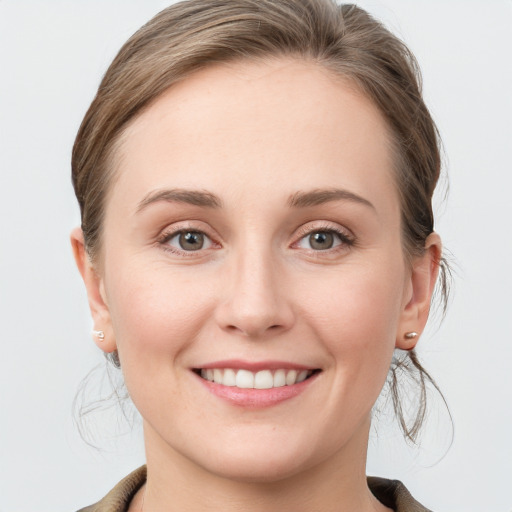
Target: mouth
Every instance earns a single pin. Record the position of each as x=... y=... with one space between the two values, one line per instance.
x=263 y=379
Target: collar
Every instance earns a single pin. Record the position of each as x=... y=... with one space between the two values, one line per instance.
x=391 y=493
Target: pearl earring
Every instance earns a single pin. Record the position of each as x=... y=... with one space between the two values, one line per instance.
x=99 y=334
x=410 y=335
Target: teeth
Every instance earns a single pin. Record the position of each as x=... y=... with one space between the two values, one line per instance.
x=229 y=378
x=302 y=376
x=217 y=375
x=279 y=378
x=291 y=377
x=264 y=379
x=244 y=379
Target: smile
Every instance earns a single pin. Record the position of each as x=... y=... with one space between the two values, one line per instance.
x=255 y=385
x=263 y=379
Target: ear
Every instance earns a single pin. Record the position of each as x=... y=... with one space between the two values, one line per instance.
x=95 y=292
x=418 y=293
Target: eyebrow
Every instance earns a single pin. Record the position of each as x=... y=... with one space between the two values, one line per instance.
x=321 y=196
x=176 y=195
x=208 y=200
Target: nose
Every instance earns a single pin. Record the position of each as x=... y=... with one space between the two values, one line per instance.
x=256 y=302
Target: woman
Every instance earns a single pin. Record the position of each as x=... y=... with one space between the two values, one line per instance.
x=255 y=183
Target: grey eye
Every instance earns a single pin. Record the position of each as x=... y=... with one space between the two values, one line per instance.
x=321 y=240
x=190 y=241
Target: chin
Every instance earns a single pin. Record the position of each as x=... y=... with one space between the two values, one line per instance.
x=257 y=469
x=246 y=458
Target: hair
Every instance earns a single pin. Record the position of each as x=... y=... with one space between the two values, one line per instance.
x=344 y=39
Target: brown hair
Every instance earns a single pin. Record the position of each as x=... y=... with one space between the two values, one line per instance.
x=344 y=39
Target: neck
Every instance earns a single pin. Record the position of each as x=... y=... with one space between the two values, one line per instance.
x=338 y=484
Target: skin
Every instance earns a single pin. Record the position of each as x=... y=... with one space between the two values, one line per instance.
x=255 y=134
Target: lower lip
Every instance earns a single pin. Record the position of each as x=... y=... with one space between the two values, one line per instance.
x=257 y=398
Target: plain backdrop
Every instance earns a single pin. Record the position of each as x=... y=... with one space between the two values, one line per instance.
x=52 y=56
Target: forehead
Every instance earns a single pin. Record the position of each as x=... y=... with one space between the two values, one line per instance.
x=257 y=127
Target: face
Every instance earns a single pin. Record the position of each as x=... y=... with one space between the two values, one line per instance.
x=252 y=237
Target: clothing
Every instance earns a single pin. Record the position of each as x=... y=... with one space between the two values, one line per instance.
x=391 y=493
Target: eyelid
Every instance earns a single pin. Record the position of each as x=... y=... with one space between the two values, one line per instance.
x=178 y=234
x=183 y=227
x=344 y=235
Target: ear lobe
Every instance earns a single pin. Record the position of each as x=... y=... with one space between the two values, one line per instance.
x=424 y=272
x=95 y=293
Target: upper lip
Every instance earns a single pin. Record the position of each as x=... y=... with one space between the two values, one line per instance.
x=255 y=366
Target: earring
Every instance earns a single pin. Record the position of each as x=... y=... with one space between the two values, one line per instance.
x=410 y=335
x=99 y=334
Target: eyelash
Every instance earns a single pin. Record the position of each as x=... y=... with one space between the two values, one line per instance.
x=167 y=236
x=346 y=241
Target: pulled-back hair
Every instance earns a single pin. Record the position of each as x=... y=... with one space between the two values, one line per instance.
x=344 y=39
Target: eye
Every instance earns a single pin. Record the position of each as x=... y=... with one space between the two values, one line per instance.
x=188 y=241
x=323 y=240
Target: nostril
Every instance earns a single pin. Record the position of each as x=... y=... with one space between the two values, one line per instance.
x=251 y=315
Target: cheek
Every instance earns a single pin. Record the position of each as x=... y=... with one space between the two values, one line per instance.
x=356 y=316
x=358 y=299
x=157 y=316
x=156 y=312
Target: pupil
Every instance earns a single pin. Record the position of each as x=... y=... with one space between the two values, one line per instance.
x=191 y=241
x=321 y=240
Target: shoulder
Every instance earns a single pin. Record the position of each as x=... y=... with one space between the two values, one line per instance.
x=118 y=499
x=395 y=495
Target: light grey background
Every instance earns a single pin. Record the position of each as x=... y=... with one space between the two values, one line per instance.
x=52 y=55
